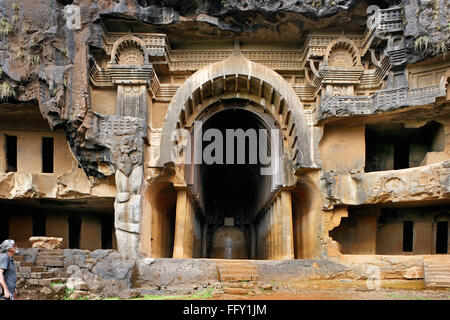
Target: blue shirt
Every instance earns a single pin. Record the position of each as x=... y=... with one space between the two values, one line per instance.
x=9 y=272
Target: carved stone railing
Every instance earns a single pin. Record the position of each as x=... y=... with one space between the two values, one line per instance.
x=157 y=44
x=344 y=106
x=383 y=100
x=386 y=20
x=387 y=99
x=418 y=184
x=420 y=96
x=154 y=85
x=98 y=76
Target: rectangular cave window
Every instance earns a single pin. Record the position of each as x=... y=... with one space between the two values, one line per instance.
x=4 y=227
x=401 y=155
x=408 y=227
x=74 y=232
x=47 y=155
x=11 y=153
x=38 y=225
x=107 y=231
x=392 y=146
x=442 y=237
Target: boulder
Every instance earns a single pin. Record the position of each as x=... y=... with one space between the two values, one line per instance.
x=129 y=294
x=46 y=291
x=413 y=273
x=59 y=288
x=46 y=242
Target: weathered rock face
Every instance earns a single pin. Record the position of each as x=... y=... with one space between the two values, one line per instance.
x=414 y=184
x=99 y=273
x=52 y=52
x=46 y=242
x=43 y=59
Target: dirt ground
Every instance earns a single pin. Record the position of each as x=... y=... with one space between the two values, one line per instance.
x=345 y=295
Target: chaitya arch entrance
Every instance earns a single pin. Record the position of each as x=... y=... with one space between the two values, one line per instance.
x=228 y=208
x=236 y=184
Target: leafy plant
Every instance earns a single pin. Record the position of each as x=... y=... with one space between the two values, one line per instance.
x=6 y=91
x=34 y=59
x=67 y=293
x=421 y=44
x=5 y=27
x=15 y=6
x=440 y=47
x=54 y=284
x=19 y=53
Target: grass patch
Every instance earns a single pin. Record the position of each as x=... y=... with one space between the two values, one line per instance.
x=199 y=295
x=407 y=297
x=52 y=284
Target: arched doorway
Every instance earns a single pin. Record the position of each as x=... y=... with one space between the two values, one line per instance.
x=235 y=187
x=260 y=207
x=234 y=205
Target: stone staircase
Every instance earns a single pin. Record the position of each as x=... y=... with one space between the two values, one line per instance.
x=46 y=270
x=437 y=271
x=236 y=270
x=239 y=278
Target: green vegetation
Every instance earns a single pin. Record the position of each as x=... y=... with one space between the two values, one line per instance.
x=407 y=297
x=6 y=91
x=421 y=44
x=19 y=54
x=199 y=295
x=5 y=27
x=440 y=47
x=34 y=59
x=67 y=293
x=54 y=284
x=15 y=6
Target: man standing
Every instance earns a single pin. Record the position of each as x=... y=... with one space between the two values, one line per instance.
x=8 y=270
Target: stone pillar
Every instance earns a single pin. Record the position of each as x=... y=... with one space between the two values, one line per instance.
x=252 y=241
x=180 y=221
x=205 y=240
x=287 y=225
x=270 y=231
x=278 y=229
x=184 y=224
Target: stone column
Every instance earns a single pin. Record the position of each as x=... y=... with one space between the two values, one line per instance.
x=287 y=225
x=180 y=223
x=205 y=240
x=252 y=241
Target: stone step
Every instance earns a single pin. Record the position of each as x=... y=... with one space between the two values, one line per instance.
x=24 y=264
x=439 y=267
x=51 y=263
x=234 y=284
x=45 y=282
x=239 y=268
x=51 y=251
x=437 y=271
x=42 y=275
x=39 y=257
x=236 y=291
x=238 y=277
x=19 y=258
x=32 y=269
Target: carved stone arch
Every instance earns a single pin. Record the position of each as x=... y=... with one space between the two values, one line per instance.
x=131 y=50
x=238 y=77
x=342 y=53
